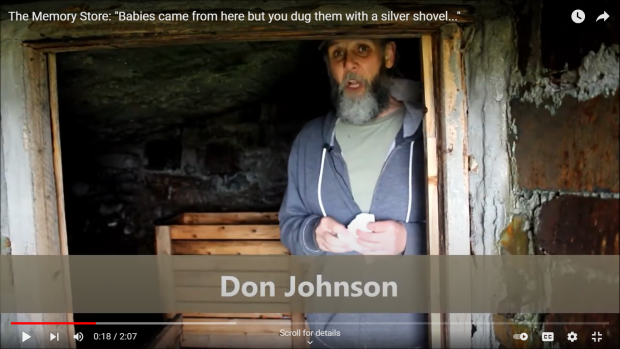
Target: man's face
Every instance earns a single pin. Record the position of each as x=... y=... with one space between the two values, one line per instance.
x=358 y=69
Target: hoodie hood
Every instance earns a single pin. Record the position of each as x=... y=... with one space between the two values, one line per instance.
x=408 y=92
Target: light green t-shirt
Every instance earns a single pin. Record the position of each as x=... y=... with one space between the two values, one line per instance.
x=365 y=149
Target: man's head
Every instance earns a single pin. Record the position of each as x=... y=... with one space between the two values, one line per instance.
x=358 y=70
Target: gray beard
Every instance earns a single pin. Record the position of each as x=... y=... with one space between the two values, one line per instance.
x=359 y=110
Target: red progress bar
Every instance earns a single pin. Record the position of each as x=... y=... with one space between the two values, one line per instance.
x=53 y=323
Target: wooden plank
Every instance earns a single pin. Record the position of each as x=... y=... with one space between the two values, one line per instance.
x=238 y=315
x=235 y=305
x=433 y=233
x=163 y=243
x=37 y=136
x=60 y=197
x=139 y=41
x=214 y=294
x=169 y=337
x=298 y=323
x=241 y=341
x=213 y=278
x=455 y=172
x=163 y=246
x=225 y=232
x=115 y=33
x=298 y=320
x=245 y=333
x=237 y=326
x=229 y=248
x=273 y=264
x=228 y=218
x=432 y=204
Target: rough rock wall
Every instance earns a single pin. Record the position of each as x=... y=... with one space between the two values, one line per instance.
x=150 y=133
x=129 y=188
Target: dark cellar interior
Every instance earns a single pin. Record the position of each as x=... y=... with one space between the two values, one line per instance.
x=149 y=133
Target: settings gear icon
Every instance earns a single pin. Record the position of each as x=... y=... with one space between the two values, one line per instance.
x=572 y=336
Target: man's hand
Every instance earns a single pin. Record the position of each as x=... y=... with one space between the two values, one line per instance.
x=326 y=234
x=387 y=238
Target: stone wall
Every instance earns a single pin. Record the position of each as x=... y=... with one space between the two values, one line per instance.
x=117 y=193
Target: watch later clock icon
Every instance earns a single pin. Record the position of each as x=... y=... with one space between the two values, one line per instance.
x=578 y=16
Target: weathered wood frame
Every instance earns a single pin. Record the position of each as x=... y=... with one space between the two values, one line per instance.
x=445 y=130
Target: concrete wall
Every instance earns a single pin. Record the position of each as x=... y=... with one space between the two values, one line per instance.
x=562 y=119
x=9 y=337
x=489 y=56
x=543 y=145
x=16 y=176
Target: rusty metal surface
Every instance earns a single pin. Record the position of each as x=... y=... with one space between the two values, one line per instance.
x=574 y=225
x=577 y=149
x=580 y=225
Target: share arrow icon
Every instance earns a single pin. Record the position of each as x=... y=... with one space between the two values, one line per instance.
x=604 y=16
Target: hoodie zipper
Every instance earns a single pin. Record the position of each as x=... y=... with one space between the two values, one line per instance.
x=374 y=193
x=347 y=180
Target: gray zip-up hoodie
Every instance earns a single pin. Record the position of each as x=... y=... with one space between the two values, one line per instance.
x=318 y=186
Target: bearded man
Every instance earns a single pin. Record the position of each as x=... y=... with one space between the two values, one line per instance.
x=365 y=157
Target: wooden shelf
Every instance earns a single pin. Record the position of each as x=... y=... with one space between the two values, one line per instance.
x=231 y=233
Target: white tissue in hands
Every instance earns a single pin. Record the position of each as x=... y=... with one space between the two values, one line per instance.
x=359 y=223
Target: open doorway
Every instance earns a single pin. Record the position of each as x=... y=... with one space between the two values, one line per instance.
x=150 y=133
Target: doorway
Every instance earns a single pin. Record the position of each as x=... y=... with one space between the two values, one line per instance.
x=150 y=133
x=442 y=78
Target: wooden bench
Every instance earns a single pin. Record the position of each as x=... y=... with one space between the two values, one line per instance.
x=246 y=233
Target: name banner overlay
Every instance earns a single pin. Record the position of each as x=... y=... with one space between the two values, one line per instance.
x=324 y=284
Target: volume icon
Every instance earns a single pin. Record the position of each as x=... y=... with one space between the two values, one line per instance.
x=79 y=336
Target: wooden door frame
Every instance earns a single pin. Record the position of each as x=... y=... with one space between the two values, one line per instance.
x=445 y=131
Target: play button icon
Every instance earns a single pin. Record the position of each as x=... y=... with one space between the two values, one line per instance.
x=25 y=336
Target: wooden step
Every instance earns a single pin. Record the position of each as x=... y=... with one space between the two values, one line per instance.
x=228 y=218
x=236 y=325
x=201 y=247
x=183 y=278
x=214 y=295
x=225 y=232
x=239 y=315
x=242 y=341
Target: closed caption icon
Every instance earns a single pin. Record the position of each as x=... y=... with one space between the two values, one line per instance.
x=547 y=336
